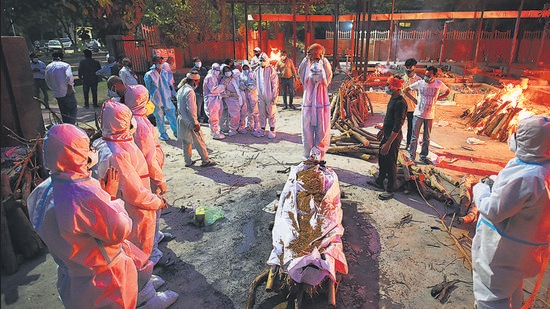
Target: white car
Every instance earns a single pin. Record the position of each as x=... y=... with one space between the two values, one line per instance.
x=54 y=46
x=93 y=45
x=66 y=42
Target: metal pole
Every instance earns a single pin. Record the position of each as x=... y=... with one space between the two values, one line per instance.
x=478 y=36
x=306 y=26
x=514 y=40
x=442 y=50
x=391 y=32
x=246 y=28
x=294 y=28
x=260 y=27
x=369 y=12
x=234 y=26
x=336 y=32
x=543 y=37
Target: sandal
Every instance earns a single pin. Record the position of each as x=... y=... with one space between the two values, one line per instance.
x=165 y=261
x=167 y=237
x=208 y=163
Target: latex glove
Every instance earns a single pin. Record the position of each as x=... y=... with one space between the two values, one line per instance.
x=197 y=128
x=481 y=191
x=161 y=189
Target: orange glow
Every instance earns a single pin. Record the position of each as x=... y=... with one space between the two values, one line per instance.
x=274 y=55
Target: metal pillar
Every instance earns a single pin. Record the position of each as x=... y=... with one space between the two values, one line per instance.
x=391 y=33
x=478 y=35
x=294 y=28
x=260 y=27
x=336 y=60
x=442 y=50
x=246 y=28
x=514 y=40
x=234 y=26
x=367 y=39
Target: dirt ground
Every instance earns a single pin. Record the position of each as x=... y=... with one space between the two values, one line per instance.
x=391 y=265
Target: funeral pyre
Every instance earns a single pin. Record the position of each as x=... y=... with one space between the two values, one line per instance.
x=498 y=114
x=307 y=250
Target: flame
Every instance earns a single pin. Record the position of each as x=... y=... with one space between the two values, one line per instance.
x=274 y=55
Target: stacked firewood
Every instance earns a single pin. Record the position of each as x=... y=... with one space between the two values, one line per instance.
x=19 y=240
x=350 y=108
x=496 y=115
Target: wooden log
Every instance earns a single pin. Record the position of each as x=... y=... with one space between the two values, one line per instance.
x=25 y=240
x=356 y=149
x=9 y=259
x=367 y=135
x=362 y=156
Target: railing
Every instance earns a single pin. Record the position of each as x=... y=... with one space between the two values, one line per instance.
x=377 y=35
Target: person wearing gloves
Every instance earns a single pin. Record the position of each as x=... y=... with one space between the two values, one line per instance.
x=157 y=82
x=248 y=86
x=145 y=137
x=190 y=133
x=233 y=99
x=512 y=239
x=316 y=74
x=255 y=61
x=268 y=90
x=390 y=137
x=83 y=224
x=212 y=91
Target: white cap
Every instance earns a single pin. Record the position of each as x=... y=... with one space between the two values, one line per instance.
x=257 y=49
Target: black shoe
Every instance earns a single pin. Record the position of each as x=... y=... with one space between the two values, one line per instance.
x=293 y=107
x=86 y=106
x=96 y=106
x=384 y=196
x=191 y=164
x=285 y=107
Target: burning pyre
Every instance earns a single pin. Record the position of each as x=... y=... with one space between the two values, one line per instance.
x=498 y=114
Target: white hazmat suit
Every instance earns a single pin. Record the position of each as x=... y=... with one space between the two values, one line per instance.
x=234 y=100
x=117 y=149
x=315 y=76
x=213 y=104
x=268 y=90
x=146 y=138
x=512 y=239
x=248 y=86
x=82 y=227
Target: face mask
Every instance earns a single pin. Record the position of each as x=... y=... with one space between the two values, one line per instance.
x=113 y=94
x=388 y=90
x=93 y=158
x=227 y=74
x=34 y=60
x=427 y=79
x=246 y=71
x=198 y=64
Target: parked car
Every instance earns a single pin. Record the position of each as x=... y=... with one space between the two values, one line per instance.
x=55 y=46
x=93 y=45
x=67 y=43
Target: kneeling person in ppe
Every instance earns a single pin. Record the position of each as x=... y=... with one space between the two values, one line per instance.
x=83 y=225
x=189 y=128
x=512 y=240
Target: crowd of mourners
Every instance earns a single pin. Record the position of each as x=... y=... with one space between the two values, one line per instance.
x=99 y=210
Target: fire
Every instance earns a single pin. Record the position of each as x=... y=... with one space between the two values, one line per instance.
x=498 y=114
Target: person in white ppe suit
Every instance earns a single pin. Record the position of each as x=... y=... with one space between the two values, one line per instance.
x=157 y=82
x=233 y=99
x=268 y=90
x=258 y=55
x=512 y=239
x=213 y=104
x=248 y=86
x=117 y=148
x=83 y=225
x=190 y=133
x=316 y=74
x=146 y=138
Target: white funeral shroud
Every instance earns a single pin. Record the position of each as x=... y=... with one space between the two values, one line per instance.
x=326 y=257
